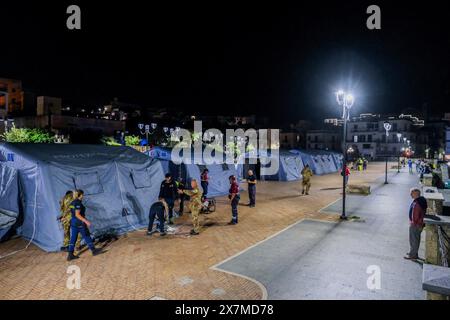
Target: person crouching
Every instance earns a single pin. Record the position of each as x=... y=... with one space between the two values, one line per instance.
x=158 y=209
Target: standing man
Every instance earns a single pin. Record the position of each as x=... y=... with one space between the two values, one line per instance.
x=158 y=209
x=306 y=181
x=204 y=181
x=168 y=192
x=251 y=180
x=410 y=163
x=195 y=204
x=79 y=224
x=234 y=199
x=347 y=174
x=417 y=211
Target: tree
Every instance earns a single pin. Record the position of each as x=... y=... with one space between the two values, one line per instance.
x=110 y=141
x=132 y=140
x=26 y=135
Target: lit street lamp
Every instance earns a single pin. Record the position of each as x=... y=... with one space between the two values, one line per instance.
x=345 y=100
x=401 y=152
x=387 y=128
x=146 y=128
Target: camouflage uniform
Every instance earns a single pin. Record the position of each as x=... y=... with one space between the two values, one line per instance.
x=195 y=204
x=306 y=182
x=65 y=219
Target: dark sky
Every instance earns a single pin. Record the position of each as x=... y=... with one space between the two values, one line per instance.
x=282 y=60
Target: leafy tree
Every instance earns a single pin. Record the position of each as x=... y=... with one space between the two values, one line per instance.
x=110 y=141
x=26 y=135
x=132 y=140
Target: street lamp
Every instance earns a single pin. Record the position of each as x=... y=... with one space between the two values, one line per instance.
x=387 y=127
x=401 y=152
x=146 y=128
x=399 y=137
x=345 y=100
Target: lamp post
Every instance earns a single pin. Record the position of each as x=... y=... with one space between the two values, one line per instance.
x=401 y=152
x=387 y=128
x=345 y=100
x=146 y=131
x=399 y=137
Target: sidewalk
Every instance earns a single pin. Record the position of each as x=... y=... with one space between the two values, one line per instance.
x=324 y=260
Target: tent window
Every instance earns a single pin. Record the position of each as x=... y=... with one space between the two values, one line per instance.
x=88 y=182
x=141 y=178
x=225 y=167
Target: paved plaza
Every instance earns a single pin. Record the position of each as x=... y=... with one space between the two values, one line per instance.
x=288 y=247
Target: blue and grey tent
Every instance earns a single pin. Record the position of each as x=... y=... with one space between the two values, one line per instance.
x=9 y=199
x=290 y=165
x=120 y=185
x=320 y=162
x=218 y=173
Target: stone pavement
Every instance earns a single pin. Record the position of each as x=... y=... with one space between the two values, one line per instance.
x=323 y=260
x=177 y=266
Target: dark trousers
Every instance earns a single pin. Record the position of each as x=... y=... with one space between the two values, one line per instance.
x=151 y=219
x=234 y=208
x=74 y=231
x=204 y=185
x=181 y=204
x=252 y=194
x=170 y=203
x=414 y=240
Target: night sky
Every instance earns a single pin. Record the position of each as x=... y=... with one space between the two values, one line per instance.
x=221 y=57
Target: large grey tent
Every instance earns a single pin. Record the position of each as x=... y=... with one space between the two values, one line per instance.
x=290 y=166
x=120 y=185
x=9 y=199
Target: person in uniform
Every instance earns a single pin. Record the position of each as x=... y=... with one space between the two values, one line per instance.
x=168 y=192
x=234 y=199
x=195 y=204
x=204 y=181
x=306 y=181
x=360 y=165
x=158 y=209
x=79 y=225
x=65 y=218
x=251 y=180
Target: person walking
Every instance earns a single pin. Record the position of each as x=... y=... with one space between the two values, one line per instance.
x=204 y=181
x=168 y=192
x=158 y=209
x=306 y=181
x=251 y=180
x=234 y=199
x=417 y=211
x=195 y=204
x=79 y=225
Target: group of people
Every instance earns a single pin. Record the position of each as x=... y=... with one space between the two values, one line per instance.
x=170 y=191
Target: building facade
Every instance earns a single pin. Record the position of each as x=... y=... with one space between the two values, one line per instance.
x=367 y=136
x=325 y=139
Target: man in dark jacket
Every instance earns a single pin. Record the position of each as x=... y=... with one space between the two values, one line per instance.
x=417 y=212
x=168 y=192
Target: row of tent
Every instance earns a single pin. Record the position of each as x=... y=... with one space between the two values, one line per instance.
x=120 y=184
